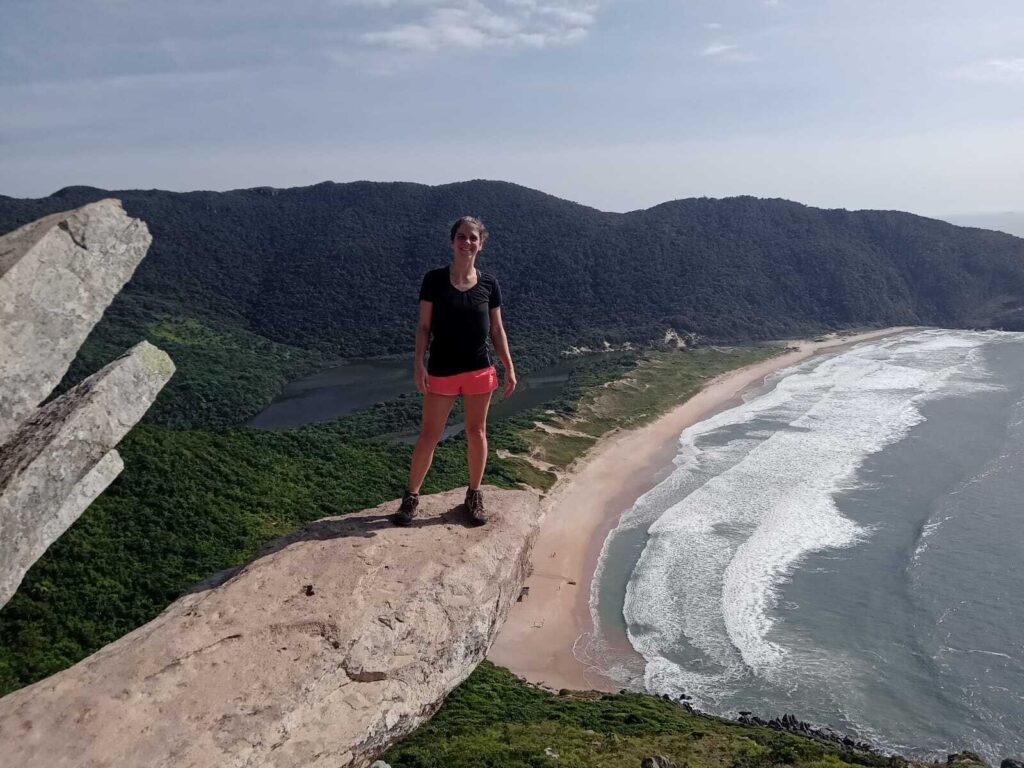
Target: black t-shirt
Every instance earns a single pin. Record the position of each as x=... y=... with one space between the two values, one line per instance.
x=460 y=322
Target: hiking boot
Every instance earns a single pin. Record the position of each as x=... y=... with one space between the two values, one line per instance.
x=407 y=512
x=475 y=506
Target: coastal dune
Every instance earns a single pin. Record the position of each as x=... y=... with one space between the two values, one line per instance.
x=542 y=637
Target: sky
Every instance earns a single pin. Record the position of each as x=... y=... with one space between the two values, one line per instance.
x=915 y=105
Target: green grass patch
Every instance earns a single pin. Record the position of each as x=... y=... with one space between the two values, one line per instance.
x=660 y=381
x=560 y=450
x=530 y=475
x=493 y=719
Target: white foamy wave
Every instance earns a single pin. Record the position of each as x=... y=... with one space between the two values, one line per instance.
x=746 y=504
x=922 y=541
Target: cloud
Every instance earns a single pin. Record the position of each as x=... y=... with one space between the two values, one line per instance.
x=993 y=71
x=719 y=49
x=479 y=24
x=722 y=51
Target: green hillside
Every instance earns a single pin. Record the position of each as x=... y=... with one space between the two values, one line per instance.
x=255 y=286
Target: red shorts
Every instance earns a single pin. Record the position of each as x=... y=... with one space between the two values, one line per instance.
x=480 y=382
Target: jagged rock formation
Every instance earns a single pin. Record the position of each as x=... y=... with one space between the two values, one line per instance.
x=965 y=759
x=61 y=458
x=792 y=724
x=331 y=644
x=57 y=276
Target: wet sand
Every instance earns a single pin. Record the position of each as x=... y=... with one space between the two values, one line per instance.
x=540 y=638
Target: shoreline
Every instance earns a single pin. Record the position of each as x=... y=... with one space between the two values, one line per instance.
x=540 y=635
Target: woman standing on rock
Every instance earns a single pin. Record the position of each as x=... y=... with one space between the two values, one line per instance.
x=460 y=306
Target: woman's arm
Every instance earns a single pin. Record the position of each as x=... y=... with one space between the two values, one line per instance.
x=419 y=374
x=500 y=342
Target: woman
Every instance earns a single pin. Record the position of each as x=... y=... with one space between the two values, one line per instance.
x=459 y=307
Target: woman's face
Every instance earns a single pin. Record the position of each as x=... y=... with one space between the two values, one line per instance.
x=467 y=243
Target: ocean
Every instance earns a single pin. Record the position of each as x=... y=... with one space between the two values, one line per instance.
x=847 y=545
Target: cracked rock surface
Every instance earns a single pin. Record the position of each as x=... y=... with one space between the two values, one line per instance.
x=333 y=643
x=62 y=457
x=57 y=277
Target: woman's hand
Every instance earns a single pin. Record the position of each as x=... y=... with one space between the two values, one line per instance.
x=510 y=381
x=500 y=342
x=419 y=369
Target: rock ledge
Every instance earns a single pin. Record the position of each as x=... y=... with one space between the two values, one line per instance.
x=334 y=642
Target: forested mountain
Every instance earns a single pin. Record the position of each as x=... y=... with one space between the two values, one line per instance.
x=256 y=285
x=1011 y=222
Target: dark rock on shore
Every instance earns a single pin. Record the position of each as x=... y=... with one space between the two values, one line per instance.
x=791 y=724
x=965 y=759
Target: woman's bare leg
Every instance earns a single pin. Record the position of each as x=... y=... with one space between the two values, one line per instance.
x=435 y=414
x=475 y=407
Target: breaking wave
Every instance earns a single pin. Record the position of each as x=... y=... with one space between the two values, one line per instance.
x=753 y=494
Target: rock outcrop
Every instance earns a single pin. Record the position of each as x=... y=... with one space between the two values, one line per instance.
x=57 y=277
x=331 y=644
x=792 y=724
x=62 y=457
x=658 y=761
x=965 y=759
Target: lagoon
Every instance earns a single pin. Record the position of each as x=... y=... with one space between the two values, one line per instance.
x=357 y=384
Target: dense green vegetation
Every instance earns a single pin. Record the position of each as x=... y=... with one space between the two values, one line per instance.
x=328 y=271
x=495 y=720
x=224 y=374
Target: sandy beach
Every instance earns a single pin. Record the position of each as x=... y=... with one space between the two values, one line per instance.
x=543 y=630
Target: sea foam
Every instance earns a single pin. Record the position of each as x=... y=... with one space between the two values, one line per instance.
x=752 y=495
